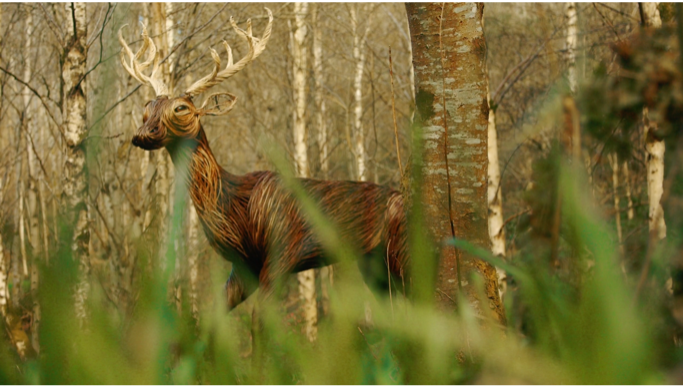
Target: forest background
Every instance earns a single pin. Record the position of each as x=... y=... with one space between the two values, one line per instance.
x=106 y=276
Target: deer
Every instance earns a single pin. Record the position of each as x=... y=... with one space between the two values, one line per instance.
x=253 y=220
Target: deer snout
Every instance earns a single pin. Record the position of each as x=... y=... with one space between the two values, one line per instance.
x=138 y=138
x=148 y=138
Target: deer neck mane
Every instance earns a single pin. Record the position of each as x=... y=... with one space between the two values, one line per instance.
x=219 y=197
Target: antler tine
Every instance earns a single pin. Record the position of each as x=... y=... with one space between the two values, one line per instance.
x=255 y=47
x=127 y=51
x=136 y=68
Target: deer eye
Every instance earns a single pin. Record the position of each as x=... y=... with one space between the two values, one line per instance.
x=180 y=108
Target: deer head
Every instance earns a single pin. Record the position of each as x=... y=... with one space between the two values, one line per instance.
x=168 y=120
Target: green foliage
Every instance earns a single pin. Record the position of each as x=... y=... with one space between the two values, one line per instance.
x=574 y=315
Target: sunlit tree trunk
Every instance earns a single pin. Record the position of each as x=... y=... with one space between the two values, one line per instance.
x=359 y=39
x=320 y=103
x=571 y=43
x=497 y=231
x=163 y=165
x=655 y=148
x=74 y=130
x=613 y=160
x=628 y=191
x=4 y=266
x=451 y=96
x=31 y=179
x=306 y=279
x=322 y=137
x=192 y=255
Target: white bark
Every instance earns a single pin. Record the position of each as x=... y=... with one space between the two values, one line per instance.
x=320 y=103
x=613 y=160
x=74 y=114
x=192 y=252
x=169 y=28
x=571 y=43
x=628 y=192
x=163 y=174
x=4 y=286
x=655 y=149
x=4 y=270
x=495 y=221
x=4 y=263
x=359 y=60
x=322 y=138
x=306 y=279
x=31 y=197
x=299 y=54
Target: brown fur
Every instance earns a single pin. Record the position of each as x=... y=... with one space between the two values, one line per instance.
x=256 y=223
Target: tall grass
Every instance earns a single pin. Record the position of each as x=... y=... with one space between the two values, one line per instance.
x=579 y=327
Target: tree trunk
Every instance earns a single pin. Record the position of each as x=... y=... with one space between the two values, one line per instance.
x=497 y=231
x=571 y=43
x=163 y=166
x=320 y=103
x=655 y=148
x=628 y=191
x=613 y=160
x=31 y=179
x=359 y=60
x=192 y=251
x=74 y=130
x=326 y=272
x=306 y=279
x=451 y=96
x=4 y=268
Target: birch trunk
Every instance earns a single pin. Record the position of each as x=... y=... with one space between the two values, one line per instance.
x=571 y=44
x=74 y=130
x=628 y=191
x=497 y=231
x=326 y=272
x=306 y=279
x=4 y=268
x=359 y=60
x=32 y=193
x=451 y=96
x=320 y=103
x=655 y=148
x=192 y=250
x=613 y=160
x=162 y=185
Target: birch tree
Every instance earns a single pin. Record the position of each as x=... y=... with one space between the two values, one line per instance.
x=571 y=44
x=320 y=104
x=163 y=166
x=326 y=272
x=74 y=130
x=613 y=160
x=4 y=266
x=359 y=39
x=497 y=230
x=451 y=94
x=655 y=148
x=306 y=279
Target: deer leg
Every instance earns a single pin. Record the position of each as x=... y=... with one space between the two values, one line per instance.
x=272 y=276
x=238 y=290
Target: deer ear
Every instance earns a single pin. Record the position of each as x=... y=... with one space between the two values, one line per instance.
x=218 y=104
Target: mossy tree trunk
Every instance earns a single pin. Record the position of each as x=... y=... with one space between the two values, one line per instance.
x=451 y=95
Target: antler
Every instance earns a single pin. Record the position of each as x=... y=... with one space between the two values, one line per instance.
x=136 y=68
x=255 y=47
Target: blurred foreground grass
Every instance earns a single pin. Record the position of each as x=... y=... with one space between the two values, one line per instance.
x=584 y=332
x=586 y=323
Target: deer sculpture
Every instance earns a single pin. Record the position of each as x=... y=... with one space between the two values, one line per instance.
x=253 y=220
